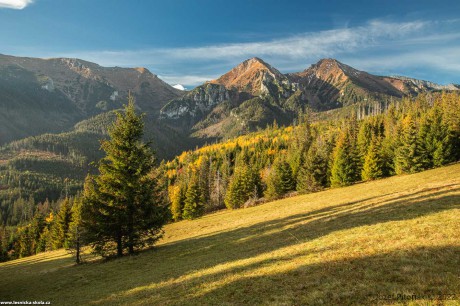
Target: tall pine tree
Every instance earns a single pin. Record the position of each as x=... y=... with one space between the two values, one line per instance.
x=244 y=185
x=374 y=162
x=194 y=200
x=346 y=161
x=312 y=175
x=76 y=231
x=121 y=205
x=60 y=231
x=410 y=156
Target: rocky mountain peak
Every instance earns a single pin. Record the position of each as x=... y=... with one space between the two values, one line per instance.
x=331 y=69
x=142 y=70
x=249 y=76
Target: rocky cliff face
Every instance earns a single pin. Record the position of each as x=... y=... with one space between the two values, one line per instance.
x=51 y=95
x=249 y=80
x=410 y=86
x=254 y=93
x=85 y=84
x=196 y=102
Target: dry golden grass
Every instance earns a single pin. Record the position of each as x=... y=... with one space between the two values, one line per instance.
x=354 y=245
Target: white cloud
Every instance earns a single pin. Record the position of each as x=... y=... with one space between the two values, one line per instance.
x=313 y=44
x=377 y=44
x=443 y=58
x=186 y=79
x=319 y=44
x=15 y=4
x=179 y=86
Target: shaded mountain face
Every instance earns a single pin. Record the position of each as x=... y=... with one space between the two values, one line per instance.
x=51 y=95
x=330 y=84
x=253 y=94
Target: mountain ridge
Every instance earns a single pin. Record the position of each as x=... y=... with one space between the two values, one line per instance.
x=254 y=93
x=52 y=95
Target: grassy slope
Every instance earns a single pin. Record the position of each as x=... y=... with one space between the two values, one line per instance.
x=341 y=246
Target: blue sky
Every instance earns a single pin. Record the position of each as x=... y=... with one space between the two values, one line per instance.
x=191 y=41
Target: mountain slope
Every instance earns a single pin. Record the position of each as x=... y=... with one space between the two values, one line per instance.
x=330 y=84
x=410 y=86
x=51 y=95
x=255 y=77
x=357 y=245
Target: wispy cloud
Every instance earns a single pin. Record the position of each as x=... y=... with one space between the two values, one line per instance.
x=15 y=4
x=315 y=44
x=377 y=43
x=186 y=79
x=445 y=58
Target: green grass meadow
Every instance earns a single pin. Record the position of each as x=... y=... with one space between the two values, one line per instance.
x=392 y=241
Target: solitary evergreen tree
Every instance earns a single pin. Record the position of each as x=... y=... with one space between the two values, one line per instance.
x=121 y=206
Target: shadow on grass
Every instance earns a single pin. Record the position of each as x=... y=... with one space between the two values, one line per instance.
x=362 y=281
x=196 y=254
x=146 y=277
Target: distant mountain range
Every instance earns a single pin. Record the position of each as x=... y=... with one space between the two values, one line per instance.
x=60 y=95
x=254 y=93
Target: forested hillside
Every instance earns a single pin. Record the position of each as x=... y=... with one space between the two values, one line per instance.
x=407 y=137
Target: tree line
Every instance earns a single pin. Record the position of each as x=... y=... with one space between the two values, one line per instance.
x=412 y=135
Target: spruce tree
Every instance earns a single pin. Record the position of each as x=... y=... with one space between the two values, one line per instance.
x=244 y=185
x=122 y=207
x=365 y=136
x=312 y=175
x=60 y=231
x=374 y=163
x=411 y=155
x=345 y=167
x=280 y=180
x=76 y=231
x=194 y=200
x=435 y=138
x=300 y=144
